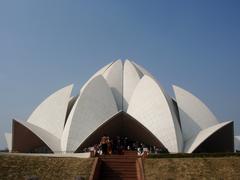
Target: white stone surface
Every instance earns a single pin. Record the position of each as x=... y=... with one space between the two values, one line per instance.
x=8 y=137
x=237 y=143
x=195 y=141
x=114 y=78
x=94 y=106
x=150 y=107
x=130 y=81
x=99 y=72
x=142 y=71
x=175 y=121
x=50 y=114
x=49 y=139
x=194 y=114
x=117 y=87
x=71 y=102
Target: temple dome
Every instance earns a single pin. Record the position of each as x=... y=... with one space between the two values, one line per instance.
x=122 y=98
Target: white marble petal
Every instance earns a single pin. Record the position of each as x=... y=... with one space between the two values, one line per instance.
x=8 y=137
x=93 y=107
x=49 y=139
x=176 y=121
x=237 y=143
x=142 y=71
x=150 y=107
x=99 y=72
x=194 y=114
x=195 y=141
x=114 y=78
x=130 y=81
x=50 y=114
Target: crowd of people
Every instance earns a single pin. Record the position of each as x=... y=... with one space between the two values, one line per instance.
x=118 y=145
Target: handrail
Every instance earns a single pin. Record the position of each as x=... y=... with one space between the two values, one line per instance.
x=139 y=168
x=95 y=172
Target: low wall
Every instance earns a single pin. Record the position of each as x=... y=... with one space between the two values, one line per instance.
x=79 y=155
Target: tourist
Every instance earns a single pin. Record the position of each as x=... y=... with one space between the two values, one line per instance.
x=103 y=144
x=109 y=145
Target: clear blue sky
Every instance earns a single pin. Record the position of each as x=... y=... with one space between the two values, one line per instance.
x=45 y=45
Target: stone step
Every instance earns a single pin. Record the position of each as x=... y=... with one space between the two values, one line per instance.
x=118 y=170
x=127 y=168
x=117 y=177
x=113 y=176
x=119 y=157
x=116 y=167
x=119 y=167
x=118 y=160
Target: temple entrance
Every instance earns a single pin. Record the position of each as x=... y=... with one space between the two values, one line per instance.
x=131 y=133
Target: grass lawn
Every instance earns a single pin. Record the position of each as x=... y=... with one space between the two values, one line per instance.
x=20 y=167
x=192 y=168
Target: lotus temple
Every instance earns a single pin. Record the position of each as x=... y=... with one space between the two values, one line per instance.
x=122 y=99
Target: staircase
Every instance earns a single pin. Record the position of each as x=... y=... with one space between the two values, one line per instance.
x=122 y=167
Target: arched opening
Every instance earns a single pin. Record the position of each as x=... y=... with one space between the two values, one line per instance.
x=219 y=142
x=123 y=125
x=25 y=141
